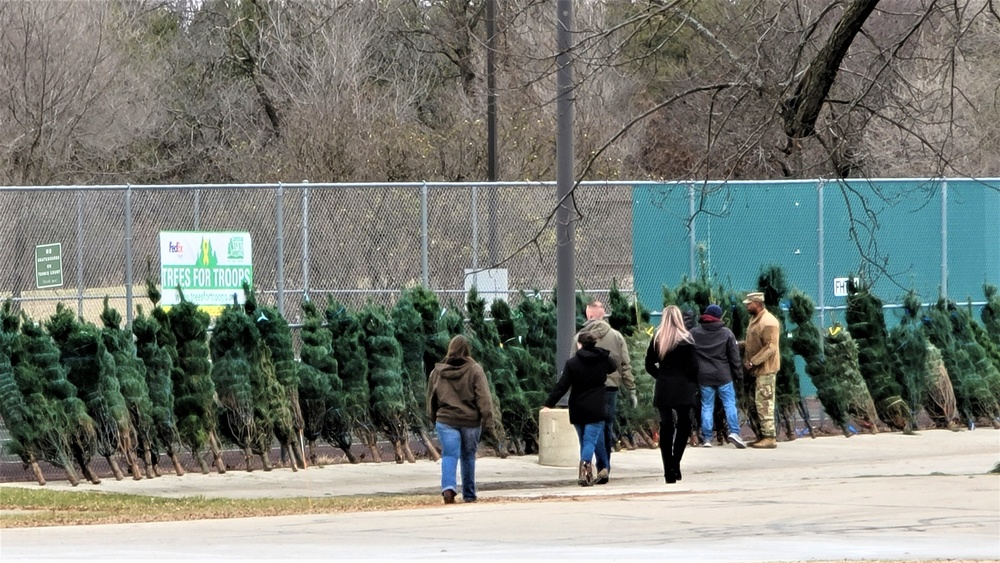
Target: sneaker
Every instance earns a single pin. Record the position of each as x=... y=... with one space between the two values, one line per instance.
x=586 y=475
x=603 y=476
x=765 y=444
x=735 y=440
x=706 y=444
x=449 y=496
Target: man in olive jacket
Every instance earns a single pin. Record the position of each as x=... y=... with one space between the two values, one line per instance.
x=612 y=341
x=762 y=360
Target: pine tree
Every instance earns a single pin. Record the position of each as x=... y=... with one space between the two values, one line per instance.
x=805 y=342
x=91 y=368
x=242 y=421
x=131 y=375
x=517 y=416
x=909 y=350
x=194 y=391
x=965 y=361
x=410 y=327
x=991 y=311
x=773 y=284
x=866 y=323
x=40 y=355
x=539 y=339
x=287 y=413
x=387 y=400
x=159 y=366
x=625 y=317
x=842 y=366
x=941 y=404
x=352 y=366
x=321 y=391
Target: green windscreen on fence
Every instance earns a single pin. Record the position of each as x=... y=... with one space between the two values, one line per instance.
x=892 y=230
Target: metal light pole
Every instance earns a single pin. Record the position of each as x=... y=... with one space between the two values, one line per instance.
x=491 y=131
x=566 y=302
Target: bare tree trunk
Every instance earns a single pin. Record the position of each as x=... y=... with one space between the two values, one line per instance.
x=115 y=468
x=213 y=444
x=36 y=469
x=432 y=452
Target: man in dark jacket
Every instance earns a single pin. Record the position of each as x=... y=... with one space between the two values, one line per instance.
x=718 y=365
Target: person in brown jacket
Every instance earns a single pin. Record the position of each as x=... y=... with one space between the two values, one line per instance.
x=762 y=360
x=459 y=404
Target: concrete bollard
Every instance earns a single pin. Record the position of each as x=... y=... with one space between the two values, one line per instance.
x=558 y=444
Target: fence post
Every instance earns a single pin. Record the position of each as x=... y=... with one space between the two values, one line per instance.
x=128 y=255
x=279 y=226
x=944 y=238
x=79 y=253
x=424 y=238
x=821 y=264
x=305 y=242
x=475 y=227
x=692 y=235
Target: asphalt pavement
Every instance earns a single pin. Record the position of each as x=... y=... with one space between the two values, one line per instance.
x=930 y=496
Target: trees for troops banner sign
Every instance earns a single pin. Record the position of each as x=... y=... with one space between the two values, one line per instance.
x=209 y=266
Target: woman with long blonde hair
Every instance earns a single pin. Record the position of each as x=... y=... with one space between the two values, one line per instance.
x=671 y=360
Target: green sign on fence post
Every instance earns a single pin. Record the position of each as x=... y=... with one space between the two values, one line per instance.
x=48 y=265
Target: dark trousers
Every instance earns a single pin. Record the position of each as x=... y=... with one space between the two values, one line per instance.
x=675 y=428
x=611 y=409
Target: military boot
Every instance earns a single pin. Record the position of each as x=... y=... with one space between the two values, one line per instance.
x=765 y=444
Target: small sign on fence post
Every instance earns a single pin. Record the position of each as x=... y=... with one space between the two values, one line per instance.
x=48 y=265
x=840 y=286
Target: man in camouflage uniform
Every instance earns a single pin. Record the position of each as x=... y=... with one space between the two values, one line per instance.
x=762 y=361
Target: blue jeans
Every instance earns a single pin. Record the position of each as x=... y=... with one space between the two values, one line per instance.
x=458 y=443
x=728 y=395
x=611 y=406
x=592 y=442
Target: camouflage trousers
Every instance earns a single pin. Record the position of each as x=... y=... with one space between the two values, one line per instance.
x=764 y=400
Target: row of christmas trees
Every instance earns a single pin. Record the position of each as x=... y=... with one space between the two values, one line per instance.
x=70 y=390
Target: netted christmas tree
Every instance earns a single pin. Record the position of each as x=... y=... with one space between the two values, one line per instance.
x=411 y=331
x=788 y=399
x=965 y=361
x=40 y=354
x=37 y=427
x=806 y=343
x=91 y=368
x=639 y=426
x=517 y=416
x=991 y=311
x=131 y=375
x=866 y=323
x=285 y=410
x=924 y=383
x=841 y=353
x=539 y=337
x=242 y=421
x=159 y=365
x=321 y=392
x=387 y=400
x=625 y=317
x=352 y=367
x=194 y=391
x=989 y=342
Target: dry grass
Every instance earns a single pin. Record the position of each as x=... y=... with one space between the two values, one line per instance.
x=24 y=508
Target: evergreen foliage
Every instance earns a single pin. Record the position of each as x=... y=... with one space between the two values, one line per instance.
x=866 y=323
x=517 y=416
x=131 y=375
x=991 y=311
x=966 y=361
x=321 y=391
x=805 y=342
x=194 y=390
x=907 y=345
x=539 y=337
x=41 y=356
x=623 y=316
x=387 y=398
x=352 y=367
x=91 y=368
x=159 y=364
x=842 y=365
x=414 y=329
x=941 y=404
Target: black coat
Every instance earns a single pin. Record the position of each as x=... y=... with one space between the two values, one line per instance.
x=718 y=354
x=676 y=376
x=584 y=376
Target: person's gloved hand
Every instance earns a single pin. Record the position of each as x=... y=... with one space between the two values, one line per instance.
x=633 y=399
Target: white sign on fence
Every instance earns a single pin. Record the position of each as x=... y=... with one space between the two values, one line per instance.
x=209 y=266
x=491 y=284
x=840 y=286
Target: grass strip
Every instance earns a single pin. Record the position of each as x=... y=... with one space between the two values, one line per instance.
x=25 y=508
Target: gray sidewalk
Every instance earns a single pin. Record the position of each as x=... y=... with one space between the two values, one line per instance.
x=889 y=496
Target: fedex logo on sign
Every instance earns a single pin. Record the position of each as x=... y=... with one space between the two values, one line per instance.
x=175 y=247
